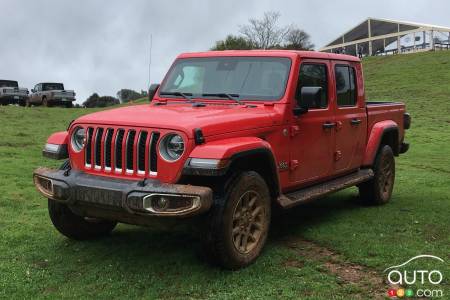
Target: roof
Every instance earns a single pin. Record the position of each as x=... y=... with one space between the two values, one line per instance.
x=269 y=53
x=371 y=28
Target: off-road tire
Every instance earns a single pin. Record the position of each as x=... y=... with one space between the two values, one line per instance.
x=74 y=226
x=68 y=105
x=27 y=103
x=378 y=190
x=238 y=223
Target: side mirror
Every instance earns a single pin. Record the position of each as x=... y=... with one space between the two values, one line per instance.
x=309 y=95
x=152 y=91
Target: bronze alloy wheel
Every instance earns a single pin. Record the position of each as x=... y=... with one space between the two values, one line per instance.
x=386 y=177
x=248 y=222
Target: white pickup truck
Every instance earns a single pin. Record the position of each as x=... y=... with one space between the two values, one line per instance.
x=11 y=93
x=50 y=93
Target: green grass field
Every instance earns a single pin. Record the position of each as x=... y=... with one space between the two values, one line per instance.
x=331 y=249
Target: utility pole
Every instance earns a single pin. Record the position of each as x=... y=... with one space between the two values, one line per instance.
x=150 y=62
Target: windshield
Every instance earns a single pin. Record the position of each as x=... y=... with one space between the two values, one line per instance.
x=8 y=83
x=53 y=86
x=246 y=78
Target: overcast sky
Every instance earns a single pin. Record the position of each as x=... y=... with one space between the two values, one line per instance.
x=103 y=46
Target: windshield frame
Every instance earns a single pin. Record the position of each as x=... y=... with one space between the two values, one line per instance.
x=213 y=98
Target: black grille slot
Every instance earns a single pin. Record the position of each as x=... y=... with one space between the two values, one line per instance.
x=98 y=147
x=88 y=151
x=118 y=149
x=153 y=157
x=108 y=141
x=141 y=151
x=130 y=149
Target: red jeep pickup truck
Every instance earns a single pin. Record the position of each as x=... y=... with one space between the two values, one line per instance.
x=228 y=136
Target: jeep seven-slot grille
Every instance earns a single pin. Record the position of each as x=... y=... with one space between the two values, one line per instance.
x=122 y=150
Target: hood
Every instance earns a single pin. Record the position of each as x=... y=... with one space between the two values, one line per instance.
x=212 y=119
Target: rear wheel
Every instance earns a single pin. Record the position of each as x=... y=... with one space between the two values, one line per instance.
x=378 y=190
x=239 y=222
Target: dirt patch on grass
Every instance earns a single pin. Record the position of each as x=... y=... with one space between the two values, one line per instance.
x=347 y=273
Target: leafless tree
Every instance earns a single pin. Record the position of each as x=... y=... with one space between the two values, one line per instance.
x=265 y=33
x=298 y=39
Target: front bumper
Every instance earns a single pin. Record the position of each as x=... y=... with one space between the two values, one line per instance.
x=119 y=199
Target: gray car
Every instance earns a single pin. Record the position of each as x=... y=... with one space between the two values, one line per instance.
x=11 y=93
x=50 y=93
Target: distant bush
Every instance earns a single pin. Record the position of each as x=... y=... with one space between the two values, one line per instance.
x=96 y=101
x=127 y=95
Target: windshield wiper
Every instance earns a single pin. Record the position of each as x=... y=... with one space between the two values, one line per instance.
x=187 y=96
x=224 y=95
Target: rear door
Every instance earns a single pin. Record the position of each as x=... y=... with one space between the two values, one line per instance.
x=312 y=133
x=350 y=116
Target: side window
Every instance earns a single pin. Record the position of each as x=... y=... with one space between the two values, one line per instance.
x=36 y=88
x=314 y=75
x=345 y=86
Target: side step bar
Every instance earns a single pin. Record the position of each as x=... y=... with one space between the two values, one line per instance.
x=316 y=191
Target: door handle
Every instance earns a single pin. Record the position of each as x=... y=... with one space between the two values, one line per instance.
x=355 y=122
x=328 y=125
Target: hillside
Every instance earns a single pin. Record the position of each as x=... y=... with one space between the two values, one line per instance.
x=330 y=249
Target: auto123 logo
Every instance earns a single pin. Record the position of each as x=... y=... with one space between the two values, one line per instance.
x=416 y=282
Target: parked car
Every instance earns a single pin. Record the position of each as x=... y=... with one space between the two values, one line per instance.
x=11 y=93
x=227 y=137
x=50 y=93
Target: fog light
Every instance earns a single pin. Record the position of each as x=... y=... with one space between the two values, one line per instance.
x=166 y=204
x=161 y=203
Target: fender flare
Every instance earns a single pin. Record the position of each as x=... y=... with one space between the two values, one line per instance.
x=231 y=150
x=375 y=137
x=58 y=138
x=56 y=146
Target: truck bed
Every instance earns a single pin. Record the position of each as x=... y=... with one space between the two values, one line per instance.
x=382 y=110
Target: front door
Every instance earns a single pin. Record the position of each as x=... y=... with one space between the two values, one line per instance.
x=350 y=117
x=312 y=133
x=35 y=95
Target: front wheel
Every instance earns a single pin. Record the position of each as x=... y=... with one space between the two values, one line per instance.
x=239 y=222
x=74 y=226
x=378 y=190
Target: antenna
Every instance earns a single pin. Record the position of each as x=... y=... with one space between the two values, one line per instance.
x=150 y=61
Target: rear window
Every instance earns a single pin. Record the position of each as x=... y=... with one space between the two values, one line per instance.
x=345 y=85
x=8 y=83
x=53 y=86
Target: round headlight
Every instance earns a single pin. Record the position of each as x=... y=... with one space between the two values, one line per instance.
x=78 y=139
x=171 y=147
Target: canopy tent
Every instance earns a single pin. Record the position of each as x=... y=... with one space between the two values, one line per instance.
x=382 y=36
